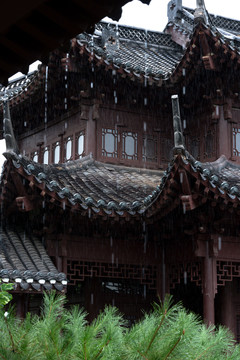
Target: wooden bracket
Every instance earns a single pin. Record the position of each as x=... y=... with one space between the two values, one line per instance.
x=188 y=202
x=207 y=56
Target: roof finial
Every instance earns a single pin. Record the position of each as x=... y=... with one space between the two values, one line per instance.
x=11 y=144
x=174 y=6
x=200 y=14
x=177 y=127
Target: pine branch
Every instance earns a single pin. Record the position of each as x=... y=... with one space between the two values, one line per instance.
x=100 y=351
x=156 y=331
x=3 y=357
x=204 y=352
x=177 y=342
x=142 y=355
x=10 y=334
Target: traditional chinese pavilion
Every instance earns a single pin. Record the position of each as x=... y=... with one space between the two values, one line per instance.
x=108 y=193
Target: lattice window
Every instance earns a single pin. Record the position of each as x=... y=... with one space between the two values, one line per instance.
x=46 y=155
x=110 y=143
x=236 y=141
x=125 y=287
x=68 y=149
x=35 y=156
x=80 y=270
x=226 y=271
x=150 y=148
x=129 y=145
x=56 y=152
x=209 y=146
x=189 y=271
x=80 y=144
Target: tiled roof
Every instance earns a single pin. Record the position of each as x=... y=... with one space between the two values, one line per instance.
x=145 y=55
x=24 y=262
x=87 y=184
x=230 y=25
x=223 y=174
x=143 y=52
x=221 y=178
x=31 y=29
x=228 y=28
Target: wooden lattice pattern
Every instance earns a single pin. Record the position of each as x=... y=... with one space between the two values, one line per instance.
x=188 y=271
x=79 y=270
x=226 y=271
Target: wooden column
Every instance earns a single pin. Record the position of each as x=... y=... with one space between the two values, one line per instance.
x=208 y=287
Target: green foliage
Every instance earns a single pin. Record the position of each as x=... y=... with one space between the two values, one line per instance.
x=5 y=297
x=168 y=332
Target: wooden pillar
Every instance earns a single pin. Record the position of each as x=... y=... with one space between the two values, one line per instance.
x=208 y=287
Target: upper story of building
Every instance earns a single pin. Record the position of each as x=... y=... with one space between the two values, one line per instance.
x=109 y=93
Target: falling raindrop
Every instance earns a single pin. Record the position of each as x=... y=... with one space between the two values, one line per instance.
x=91 y=85
x=184 y=208
x=66 y=81
x=145 y=101
x=184 y=90
x=46 y=95
x=64 y=205
x=144 y=126
x=184 y=124
x=184 y=72
x=219 y=243
x=43 y=204
x=112 y=258
x=92 y=299
x=89 y=213
x=111 y=241
x=181 y=177
x=185 y=277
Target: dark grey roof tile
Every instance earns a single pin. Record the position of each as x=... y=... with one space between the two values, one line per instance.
x=100 y=186
x=24 y=261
